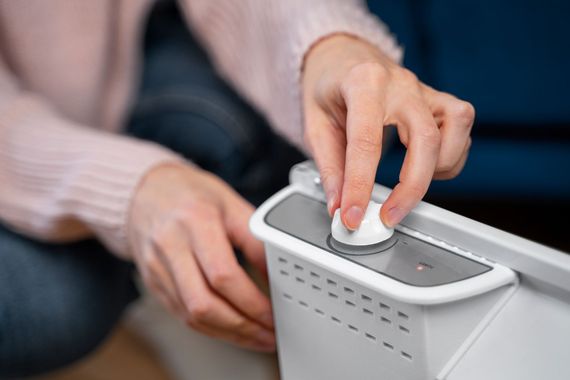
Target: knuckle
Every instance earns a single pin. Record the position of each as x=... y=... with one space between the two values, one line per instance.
x=160 y=236
x=197 y=211
x=407 y=77
x=464 y=111
x=240 y=326
x=199 y=311
x=221 y=277
x=367 y=73
x=445 y=166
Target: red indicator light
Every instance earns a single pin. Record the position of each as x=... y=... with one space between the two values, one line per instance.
x=420 y=268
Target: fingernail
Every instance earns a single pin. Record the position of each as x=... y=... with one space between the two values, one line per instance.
x=353 y=217
x=267 y=319
x=331 y=201
x=395 y=216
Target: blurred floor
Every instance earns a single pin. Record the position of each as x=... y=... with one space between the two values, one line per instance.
x=123 y=356
x=190 y=355
x=151 y=345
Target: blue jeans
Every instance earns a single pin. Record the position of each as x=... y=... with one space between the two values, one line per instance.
x=59 y=301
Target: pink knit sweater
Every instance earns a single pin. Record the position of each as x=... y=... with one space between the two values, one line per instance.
x=67 y=72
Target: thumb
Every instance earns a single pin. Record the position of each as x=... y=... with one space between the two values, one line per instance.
x=237 y=214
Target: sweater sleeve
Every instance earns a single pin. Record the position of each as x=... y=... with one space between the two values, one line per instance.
x=60 y=181
x=259 y=46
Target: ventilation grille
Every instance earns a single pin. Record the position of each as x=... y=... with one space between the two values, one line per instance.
x=378 y=321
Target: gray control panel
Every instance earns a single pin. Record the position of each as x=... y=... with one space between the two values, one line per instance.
x=402 y=257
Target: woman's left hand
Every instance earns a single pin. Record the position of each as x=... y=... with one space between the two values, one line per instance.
x=351 y=91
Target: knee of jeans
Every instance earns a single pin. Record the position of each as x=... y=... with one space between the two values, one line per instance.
x=210 y=126
x=65 y=315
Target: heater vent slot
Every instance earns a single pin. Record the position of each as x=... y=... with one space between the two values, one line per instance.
x=347 y=306
x=403 y=315
x=370 y=337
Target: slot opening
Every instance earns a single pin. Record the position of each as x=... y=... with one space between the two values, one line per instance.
x=370 y=336
x=385 y=307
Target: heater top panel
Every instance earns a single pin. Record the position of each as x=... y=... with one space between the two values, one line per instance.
x=402 y=257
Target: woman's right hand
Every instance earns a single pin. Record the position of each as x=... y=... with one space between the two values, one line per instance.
x=182 y=228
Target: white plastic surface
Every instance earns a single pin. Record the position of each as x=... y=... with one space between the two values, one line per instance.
x=371 y=230
x=397 y=290
x=338 y=320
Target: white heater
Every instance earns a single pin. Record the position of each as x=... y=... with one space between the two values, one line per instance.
x=412 y=307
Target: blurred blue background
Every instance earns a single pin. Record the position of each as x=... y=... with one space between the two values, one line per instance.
x=510 y=59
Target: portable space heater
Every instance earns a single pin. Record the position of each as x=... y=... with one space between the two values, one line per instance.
x=444 y=298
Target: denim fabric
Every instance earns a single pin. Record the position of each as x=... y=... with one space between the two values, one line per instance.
x=57 y=302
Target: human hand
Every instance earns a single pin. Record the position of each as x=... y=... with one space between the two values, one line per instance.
x=351 y=91
x=182 y=225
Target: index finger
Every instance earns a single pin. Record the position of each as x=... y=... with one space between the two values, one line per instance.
x=365 y=120
x=216 y=258
x=418 y=167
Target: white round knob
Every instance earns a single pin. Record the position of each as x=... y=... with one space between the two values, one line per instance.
x=371 y=230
